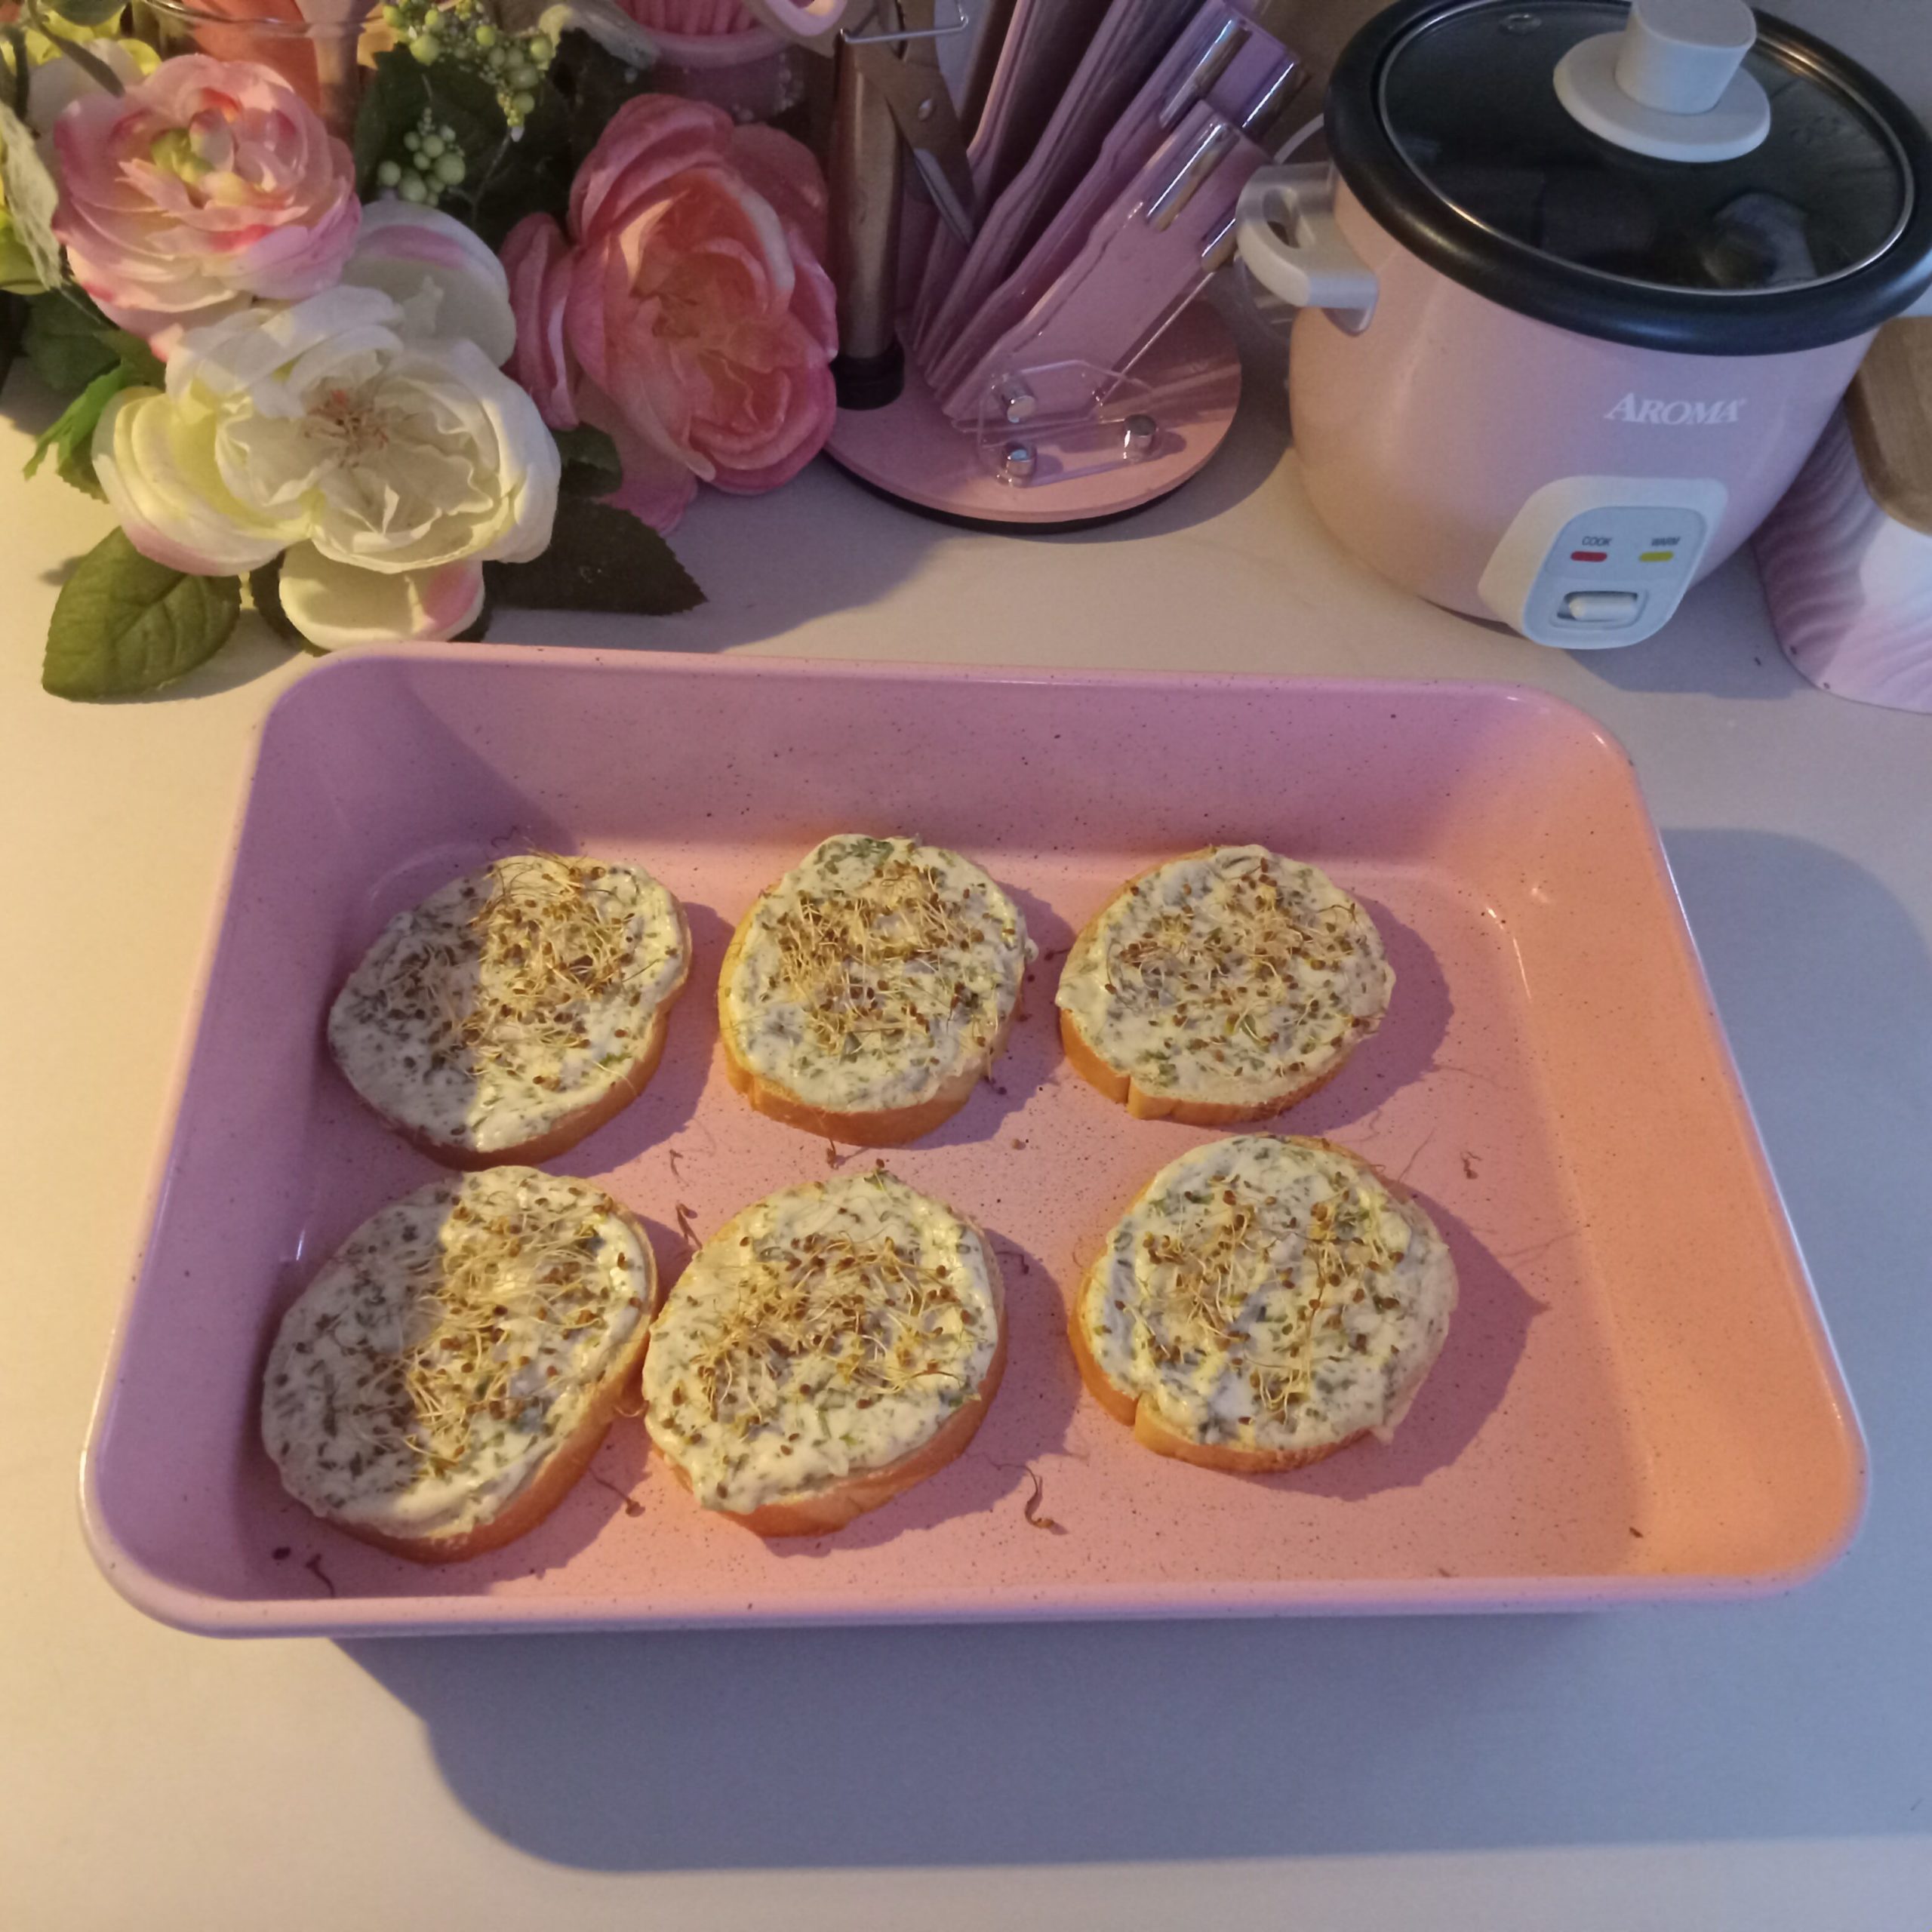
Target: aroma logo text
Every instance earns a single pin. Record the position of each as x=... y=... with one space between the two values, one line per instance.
x=1672 y=412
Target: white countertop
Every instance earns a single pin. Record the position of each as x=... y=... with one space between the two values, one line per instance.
x=1750 y=1768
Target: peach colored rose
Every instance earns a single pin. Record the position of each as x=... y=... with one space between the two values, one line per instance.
x=686 y=313
x=209 y=184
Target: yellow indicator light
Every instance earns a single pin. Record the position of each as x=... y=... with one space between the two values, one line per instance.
x=1656 y=556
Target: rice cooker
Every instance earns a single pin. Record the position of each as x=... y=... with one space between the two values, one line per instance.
x=1580 y=291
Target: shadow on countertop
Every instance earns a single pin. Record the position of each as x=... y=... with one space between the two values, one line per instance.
x=767 y=564
x=1701 y=649
x=797 y=576
x=253 y=652
x=1793 y=1716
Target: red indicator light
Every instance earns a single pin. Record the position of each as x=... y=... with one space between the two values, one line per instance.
x=1588 y=556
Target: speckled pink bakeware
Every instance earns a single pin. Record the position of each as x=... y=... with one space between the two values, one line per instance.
x=1637 y=1400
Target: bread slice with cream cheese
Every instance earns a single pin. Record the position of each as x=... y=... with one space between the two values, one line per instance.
x=1265 y=1302
x=866 y=994
x=1222 y=987
x=515 y=1010
x=451 y=1370
x=830 y=1346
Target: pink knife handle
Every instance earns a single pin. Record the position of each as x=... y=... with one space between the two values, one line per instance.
x=1127 y=282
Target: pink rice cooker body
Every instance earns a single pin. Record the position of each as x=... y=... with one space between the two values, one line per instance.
x=1422 y=434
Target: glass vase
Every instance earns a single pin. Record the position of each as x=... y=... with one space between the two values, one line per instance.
x=319 y=58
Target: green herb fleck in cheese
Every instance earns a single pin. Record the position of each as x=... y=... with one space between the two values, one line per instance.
x=511 y=998
x=1230 y=975
x=1271 y=1294
x=872 y=973
x=831 y=1328
x=431 y=1368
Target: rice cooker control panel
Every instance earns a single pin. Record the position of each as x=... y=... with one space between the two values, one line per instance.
x=1595 y=561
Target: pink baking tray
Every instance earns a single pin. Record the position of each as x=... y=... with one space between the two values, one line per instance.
x=1637 y=1400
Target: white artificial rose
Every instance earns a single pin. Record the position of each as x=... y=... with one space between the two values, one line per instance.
x=335 y=605
x=326 y=423
x=445 y=278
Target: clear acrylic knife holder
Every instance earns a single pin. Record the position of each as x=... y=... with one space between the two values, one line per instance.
x=1060 y=420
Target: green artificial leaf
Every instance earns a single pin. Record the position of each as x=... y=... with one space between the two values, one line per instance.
x=600 y=559
x=70 y=437
x=530 y=176
x=32 y=196
x=591 y=466
x=505 y=179
x=387 y=112
x=592 y=83
x=67 y=345
x=13 y=326
x=466 y=103
x=125 y=623
x=70 y=343
x=141 y=363
x=398 y=92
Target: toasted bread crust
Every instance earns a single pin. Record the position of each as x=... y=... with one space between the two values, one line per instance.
x=890 y=1127
x=1123 y=1087
x=1120 y=1086
x=560 y=1471
x=818 y=1512
x=825 y=1510
x=564 y=1134
x=1152 y=1433
x=1149 y=1430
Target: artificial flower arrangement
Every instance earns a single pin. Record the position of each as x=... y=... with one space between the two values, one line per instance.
x=488 y=351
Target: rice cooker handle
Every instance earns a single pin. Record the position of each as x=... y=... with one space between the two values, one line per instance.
x=1313 y=267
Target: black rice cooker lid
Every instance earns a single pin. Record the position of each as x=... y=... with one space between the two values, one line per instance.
x=1445 y=120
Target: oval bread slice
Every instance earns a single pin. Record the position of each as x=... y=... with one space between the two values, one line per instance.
x=828 y=1348
x=449 y=1372
x=515 y=1010
x=1222 y=987
x=1265 y=1302
x=867 y=993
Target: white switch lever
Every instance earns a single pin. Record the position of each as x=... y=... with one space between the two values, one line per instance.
x=1601 y=607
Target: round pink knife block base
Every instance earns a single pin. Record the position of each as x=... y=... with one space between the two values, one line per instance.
x=911 y=451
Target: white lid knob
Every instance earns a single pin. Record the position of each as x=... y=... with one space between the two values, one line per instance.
x=1671 y=84
x=1678 y=56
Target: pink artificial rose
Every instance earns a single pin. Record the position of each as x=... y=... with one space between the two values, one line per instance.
x=536 y=258
x=209 y=184
x=686 y=313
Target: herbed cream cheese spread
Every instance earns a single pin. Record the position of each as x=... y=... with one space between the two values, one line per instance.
x=509 y=999
x=828 y=1330
x=873 y=972
x=1270 y=1293
x=1228 y=976
x=434 y=1364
